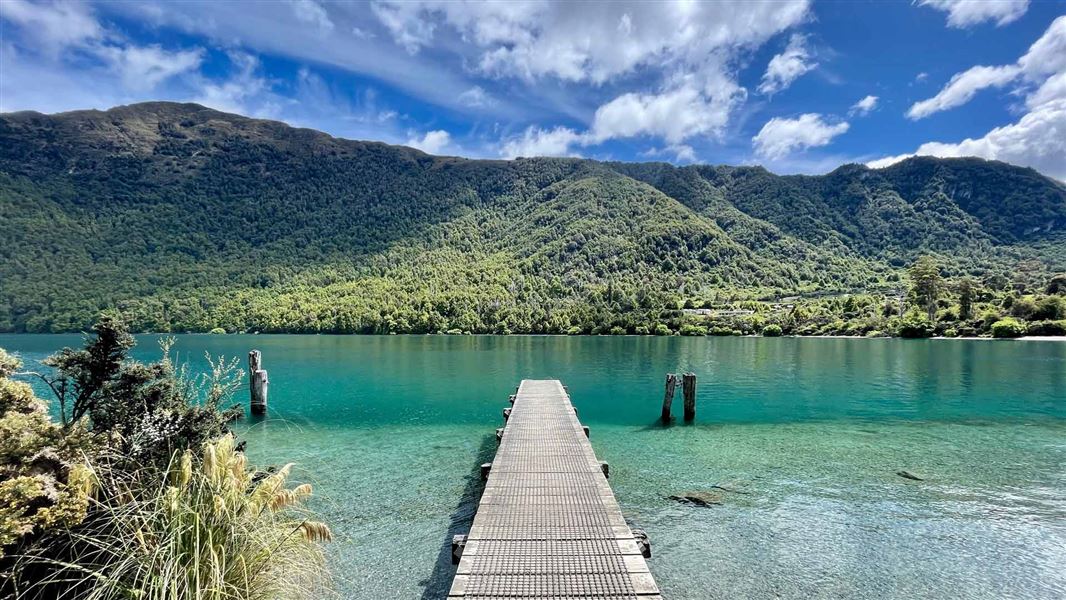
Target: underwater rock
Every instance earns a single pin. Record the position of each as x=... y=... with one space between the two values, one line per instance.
x=698 y=498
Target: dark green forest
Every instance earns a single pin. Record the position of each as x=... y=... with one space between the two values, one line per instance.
x=185 y=219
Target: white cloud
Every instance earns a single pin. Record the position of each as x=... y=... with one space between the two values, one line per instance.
x=433 y=142
x=675 y=114
x=586 y=41
x=311 y=12
x=779 y=137
x=788 y=66
x=476 y=97
x=863 y=107
x=1047 y=54
x=1052 y=89
x=60 y=29
x=410 y=33
x=1046 y=57
x=142 y=68
x=881 y=163
x=54 y=26
x=966 y=13
x=682 y=153
x=1037 y=140
x=535 y=141
x=358 y=42
x=243 y=92
x=962 y=87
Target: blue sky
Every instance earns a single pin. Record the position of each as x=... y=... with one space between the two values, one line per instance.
x=798 y=86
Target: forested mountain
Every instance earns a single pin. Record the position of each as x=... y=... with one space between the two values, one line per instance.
x=187 y=219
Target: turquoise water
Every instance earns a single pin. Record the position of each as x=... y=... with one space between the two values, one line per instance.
x=805 y=435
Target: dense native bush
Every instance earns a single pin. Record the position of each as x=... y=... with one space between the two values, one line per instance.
x=140 y=491
x=772 y=330
x=693 y=330
x=1008 y=328
x=915 y=325
x=1047 y=328
x=369 y=238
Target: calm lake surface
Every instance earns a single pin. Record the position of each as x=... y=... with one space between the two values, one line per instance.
x=806 y=434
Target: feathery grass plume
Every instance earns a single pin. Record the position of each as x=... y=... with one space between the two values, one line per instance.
x=211 y=530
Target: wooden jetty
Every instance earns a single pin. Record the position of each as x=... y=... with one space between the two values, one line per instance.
x=548 y=525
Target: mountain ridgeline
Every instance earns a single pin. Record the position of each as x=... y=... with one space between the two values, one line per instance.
x=187 y=219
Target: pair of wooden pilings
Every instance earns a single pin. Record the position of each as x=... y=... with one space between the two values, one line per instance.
x=257 y=382
x=688 y=392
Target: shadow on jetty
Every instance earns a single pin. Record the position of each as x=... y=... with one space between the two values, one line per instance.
x=440 y=580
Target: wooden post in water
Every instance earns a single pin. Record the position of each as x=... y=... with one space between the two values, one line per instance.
x=668 y=399
x=688 y=390
x=257 y=383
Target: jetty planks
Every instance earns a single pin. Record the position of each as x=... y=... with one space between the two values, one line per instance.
x=548 y=525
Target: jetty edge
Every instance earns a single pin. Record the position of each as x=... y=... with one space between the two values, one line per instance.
x=548 y=524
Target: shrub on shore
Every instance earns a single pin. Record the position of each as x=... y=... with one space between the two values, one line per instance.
x=693 y=330
x=1008 y=327
x=915 y=325
x=1047 y=328
x=140 y=491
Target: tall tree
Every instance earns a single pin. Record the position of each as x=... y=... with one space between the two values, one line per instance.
x=926 y=284
x=967 y=288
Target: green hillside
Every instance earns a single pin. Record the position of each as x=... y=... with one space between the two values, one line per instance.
x=187 y=219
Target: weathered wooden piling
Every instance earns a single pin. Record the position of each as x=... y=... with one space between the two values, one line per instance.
x=688 y=390
x=643 y=542
x=668 y=399
x=258 y=383
x=458 y=544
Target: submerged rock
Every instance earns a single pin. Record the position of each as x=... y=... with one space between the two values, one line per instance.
x=698 y=498
x=909 y=475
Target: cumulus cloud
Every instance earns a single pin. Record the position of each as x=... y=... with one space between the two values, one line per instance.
x=863 y=107
x=962 y=88
x=1046 y=57
x=779 y=137
x=787 y=66
x=675 y=114
x=535 y=141
x=1047 y=54
x=586 y=41
x=967 y=13
x=1038 y=138
x=688 y=47
x=433 y=142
